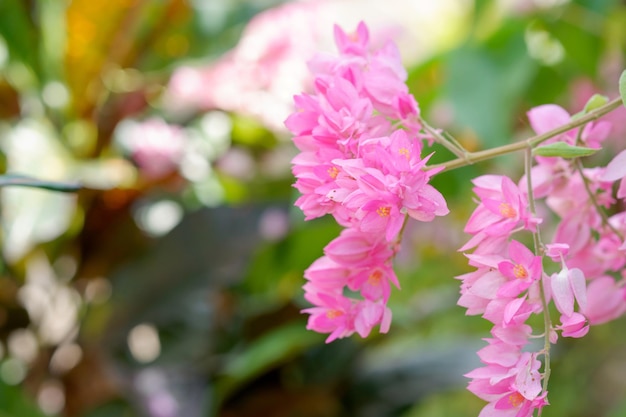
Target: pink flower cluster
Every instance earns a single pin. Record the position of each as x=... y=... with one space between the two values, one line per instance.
x=510 y=282
x=588 y=243
x=360 y=161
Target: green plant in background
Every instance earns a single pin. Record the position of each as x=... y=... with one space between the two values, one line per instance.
x=169 y=284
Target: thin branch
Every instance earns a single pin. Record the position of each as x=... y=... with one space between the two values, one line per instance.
x=594 y=201
x=450 y=144
x=473 y=157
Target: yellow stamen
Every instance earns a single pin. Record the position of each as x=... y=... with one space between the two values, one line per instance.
x=375 y=277
x=507 y=211
x=404 y=152
x=333 y=314
x=520 y=272
x=516 y=399
x=383 y=211
x=333 y=172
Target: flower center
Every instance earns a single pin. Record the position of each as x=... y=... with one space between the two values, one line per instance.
x=383 y=211
x=520 y=272
x=516 y=399
x=333 y=314
x=404 y=152
x=333 y=172
x=375 y=278
x=507 y=211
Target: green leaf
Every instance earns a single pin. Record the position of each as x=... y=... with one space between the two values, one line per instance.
x=622 y=87
x=19 y=33
x=485 y=83
x=15 y=402
x=596 y=101
x=24 y=181
x=269 y=350
x=563 y=150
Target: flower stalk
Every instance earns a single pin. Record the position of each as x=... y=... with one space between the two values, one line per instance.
x=472 y=157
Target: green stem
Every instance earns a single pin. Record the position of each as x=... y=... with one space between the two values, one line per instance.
x=472 y=157
x=592 y=197
x=528 y=161
x=547 y=322
x=450 y=144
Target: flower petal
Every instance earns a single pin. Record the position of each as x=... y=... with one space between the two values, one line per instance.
x=562 y=292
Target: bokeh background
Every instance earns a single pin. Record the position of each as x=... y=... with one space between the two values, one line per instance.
x=170 y=284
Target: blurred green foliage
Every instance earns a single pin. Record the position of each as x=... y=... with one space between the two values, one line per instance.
x=211 y=260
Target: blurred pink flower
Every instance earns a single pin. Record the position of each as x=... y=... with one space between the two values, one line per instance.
x=606 y=300
x=582 y=90
x=155 y=146
x=260 y=75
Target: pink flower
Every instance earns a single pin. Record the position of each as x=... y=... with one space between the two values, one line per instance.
x=572 y=199
x=500 y=211
x=515 y=335
x=513 y=404
x=510 y=311
x=528 y=380
x=605 y=300
x=333 y=315
x=341 y=316
x=356 y=43
x=397 y=154
x=373 y=282
x=370 y=314
x=556 y=251
x=513 y=388
x=476 y=297
x=327 y=274
x=600 y=255
x=522 y=270
x=382 y=216
x=368 y=176
x=355 y=249
x=567 y=285
x=616 y=170
x=550 y=116
x=499 y=353
x=574 y=325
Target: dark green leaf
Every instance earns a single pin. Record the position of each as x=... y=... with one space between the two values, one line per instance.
x=269 y=350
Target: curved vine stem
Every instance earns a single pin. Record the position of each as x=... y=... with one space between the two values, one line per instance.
x=450 y=143
x=470 y=158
